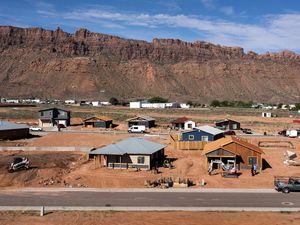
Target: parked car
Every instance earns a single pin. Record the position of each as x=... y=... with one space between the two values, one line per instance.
x=35 y=128
x=282 y=132
x=229 y=132
x=287 y=184
x=18 y=164
x=137 y=129
x=246 y=130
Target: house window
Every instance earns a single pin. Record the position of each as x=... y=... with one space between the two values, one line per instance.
x=204 y=138
x=191 y=137
x=42 y=113
x=252 y=160
x=189 y=126
x=141 y=160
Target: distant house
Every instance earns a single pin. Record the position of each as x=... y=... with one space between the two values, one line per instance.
x=202 y=133
x=133 y=152
x=147 y=121
x=183 y=123
x=228 y=124
x=53 y=116
x=12 y=131
x=267 y=114
x=98 y=122
x=242 y=152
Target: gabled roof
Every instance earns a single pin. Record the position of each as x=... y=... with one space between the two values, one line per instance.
x=210 y=130
x=148 y=118
x=225 y=120
x=223 y=142
x=103 y=118
x=54 y=109
x=181 y=120
x=132 y=145
x=5 y=125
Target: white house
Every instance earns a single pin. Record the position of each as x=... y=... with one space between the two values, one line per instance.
x=267 y=114
x=135 y=105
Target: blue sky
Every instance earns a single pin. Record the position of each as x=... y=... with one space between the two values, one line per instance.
x=257 y=25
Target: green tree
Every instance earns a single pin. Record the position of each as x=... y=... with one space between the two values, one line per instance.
x=157 y=99
x=215 y=103
x=113 y=101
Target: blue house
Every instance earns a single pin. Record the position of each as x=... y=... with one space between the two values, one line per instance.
x=203 y=133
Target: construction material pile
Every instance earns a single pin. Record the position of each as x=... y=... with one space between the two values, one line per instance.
x=169 y=182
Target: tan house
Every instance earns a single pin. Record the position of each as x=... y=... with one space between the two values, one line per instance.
x=231 y=148
x=133 y=152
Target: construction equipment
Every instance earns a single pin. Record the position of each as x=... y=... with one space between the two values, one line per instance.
x=167 y=164
x=18 y=164
x=229 y=169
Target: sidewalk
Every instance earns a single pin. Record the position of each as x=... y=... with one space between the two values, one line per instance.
x=188 y=190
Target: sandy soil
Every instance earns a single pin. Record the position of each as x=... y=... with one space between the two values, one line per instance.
x=76 y=139
x=150 y=218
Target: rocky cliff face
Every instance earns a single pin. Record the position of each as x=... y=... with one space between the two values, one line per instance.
x=43 y=63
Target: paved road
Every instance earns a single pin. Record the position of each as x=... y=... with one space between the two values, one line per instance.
x=149 y=199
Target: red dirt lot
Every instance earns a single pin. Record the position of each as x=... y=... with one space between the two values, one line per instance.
x=150 y=218
x=70 y=169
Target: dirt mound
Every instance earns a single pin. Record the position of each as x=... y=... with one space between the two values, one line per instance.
x=45 y=168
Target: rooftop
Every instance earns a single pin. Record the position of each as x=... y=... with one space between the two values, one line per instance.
x=103 y=118
x=181 y=120
x=132 y=145
x=210 y=130
x=223 y=142
x=148 y=118
x=5 y=125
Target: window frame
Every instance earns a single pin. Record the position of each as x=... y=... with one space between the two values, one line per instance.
x=191 y=137
x=202 y=138
x=252 y=157
x=141 y=158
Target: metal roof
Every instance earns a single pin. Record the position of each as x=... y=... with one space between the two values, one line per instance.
x=132 y=145
x=225 y=120
x=95 y=118
x=143 y=117
x=210 y=130
x=223 y=142
x=5 y=125
x=54 y=109
x=181 y=120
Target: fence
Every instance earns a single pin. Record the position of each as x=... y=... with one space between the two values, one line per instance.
x=126 y=166
x=186 y=145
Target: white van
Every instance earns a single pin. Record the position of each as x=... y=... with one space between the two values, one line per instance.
x=137 y=129
x=292 y=133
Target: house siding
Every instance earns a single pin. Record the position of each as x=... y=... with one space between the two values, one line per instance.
x=198 y=134
x=52 y=117
x=14 y=134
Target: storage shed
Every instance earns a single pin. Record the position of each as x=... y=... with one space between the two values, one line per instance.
x=133 y=152
x=242 y=152
x=228 y=124
x=147 y=121
x=13 y=131
x=202 y=133
x=98 y=122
